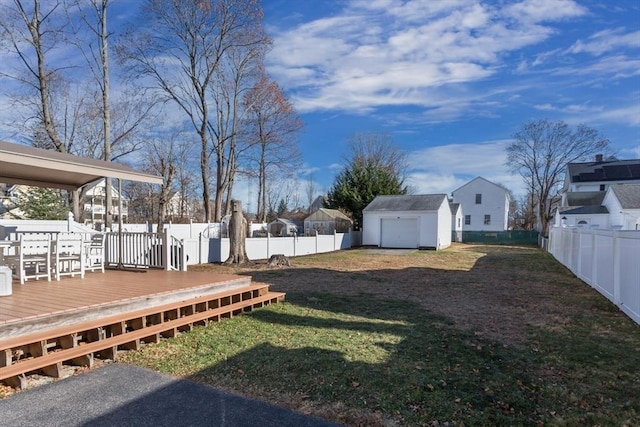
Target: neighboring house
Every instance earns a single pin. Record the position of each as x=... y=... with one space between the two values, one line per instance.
x=281 y=227
x=586 y=199
x=582 y=209
x=326 y=221
x=600 y=174
x=456 y=221
x=417 y=221
x=316 y=204
x=623 y=203
x=94 y=203
x=485 y=205
x=175 y=207
x=9 y=198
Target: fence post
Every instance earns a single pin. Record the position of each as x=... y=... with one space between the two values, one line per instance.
x=617 y=260
x=295 y=237
x=183 y=253
x=166 y=249
x=268 y=244
x=578 y=271
x=335 y=237
x=316 y=241
x=594 y=261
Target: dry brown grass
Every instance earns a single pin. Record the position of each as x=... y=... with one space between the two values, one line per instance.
x=494 y=291
x=472 y=335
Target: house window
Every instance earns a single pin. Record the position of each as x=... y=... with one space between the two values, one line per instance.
x=459 y=222
x=467 y=220
x=487 y=220
x=602 y=187
x=478 y=199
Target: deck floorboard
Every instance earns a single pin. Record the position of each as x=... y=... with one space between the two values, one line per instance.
x=39 y=301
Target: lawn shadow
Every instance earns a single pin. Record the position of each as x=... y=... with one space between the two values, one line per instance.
x=378 y=356
x=468 y=342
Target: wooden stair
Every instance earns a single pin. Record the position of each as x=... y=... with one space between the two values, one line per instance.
x=46 y=351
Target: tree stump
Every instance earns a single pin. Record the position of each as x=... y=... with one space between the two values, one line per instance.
x=278 y=259
x=237 y=235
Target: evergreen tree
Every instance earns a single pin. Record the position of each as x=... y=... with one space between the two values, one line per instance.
x=282 y=207
x=359 y=183
x=43 y=203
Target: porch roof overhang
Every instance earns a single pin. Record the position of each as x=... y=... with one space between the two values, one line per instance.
x=20 y=164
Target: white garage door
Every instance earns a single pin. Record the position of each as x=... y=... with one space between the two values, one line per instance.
x=399 y=233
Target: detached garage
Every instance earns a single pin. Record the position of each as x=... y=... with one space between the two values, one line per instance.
x=421 y=221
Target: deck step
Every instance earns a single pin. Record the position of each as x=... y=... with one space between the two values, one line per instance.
x=77 y=344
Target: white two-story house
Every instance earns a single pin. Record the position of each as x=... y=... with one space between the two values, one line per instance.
x=600 y=194
x=94 y=203
x=485 y=205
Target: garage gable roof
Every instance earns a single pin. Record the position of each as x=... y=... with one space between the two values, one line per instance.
x=21 y=164
x=422 y=202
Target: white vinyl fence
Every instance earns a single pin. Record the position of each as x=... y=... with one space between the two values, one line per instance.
x=184 y=244
x=9 y=226
x=608 y=260
x=202 y=243
x=204 y=250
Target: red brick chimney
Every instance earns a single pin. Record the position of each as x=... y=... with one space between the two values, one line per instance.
x=598 y=158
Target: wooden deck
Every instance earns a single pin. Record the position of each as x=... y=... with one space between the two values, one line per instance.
x=39 y=304
x=45 y=324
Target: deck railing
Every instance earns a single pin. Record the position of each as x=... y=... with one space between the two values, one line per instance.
x=145 y=250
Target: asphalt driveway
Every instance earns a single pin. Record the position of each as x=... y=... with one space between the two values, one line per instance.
x=124 y=395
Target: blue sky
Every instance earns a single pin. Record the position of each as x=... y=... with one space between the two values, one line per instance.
x=450 y=80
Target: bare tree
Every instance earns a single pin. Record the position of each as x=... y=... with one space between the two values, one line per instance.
x=186 y=181
x=162 y=157
x=181 y=50
x=239 y=69
x=116 y=137
x=540 y=152
x=378 y=150
x=310 y=191
x=273 y=124
x=31 y=33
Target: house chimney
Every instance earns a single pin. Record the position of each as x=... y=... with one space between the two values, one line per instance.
x=598 y=158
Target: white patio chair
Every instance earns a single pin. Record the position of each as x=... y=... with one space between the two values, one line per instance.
x=68 y=255
x=94 y=253
x=32 y=259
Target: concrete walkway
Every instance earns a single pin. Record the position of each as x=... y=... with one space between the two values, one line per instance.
x=124 y=395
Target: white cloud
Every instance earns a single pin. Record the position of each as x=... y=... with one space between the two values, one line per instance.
x=629 y=115
x=633 y=152
x=544 y=10
x=380 y=53
x=444 y=168
x=606 y=41
x=585 y=113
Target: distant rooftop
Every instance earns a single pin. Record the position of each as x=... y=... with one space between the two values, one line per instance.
x=605 y=170
x=423 y=202
x=584 y=210
x=628 y=195
x=585 y=198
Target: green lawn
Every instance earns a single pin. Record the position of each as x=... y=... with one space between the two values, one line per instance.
x=388 y=358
